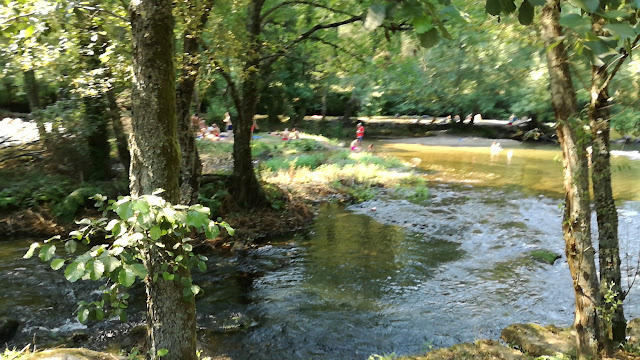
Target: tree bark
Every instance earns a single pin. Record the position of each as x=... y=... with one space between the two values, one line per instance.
x=191 y=166
x=31 y=88
x=576 y=218
x=155 y=160
x=607 y=216
x=247 y=191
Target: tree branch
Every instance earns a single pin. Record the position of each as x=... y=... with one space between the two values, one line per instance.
x=302 y=2
x=338 y=47
x=98 y=9
x=306 y=35
x=232 y=86
x=618 y=65
x=17 y=17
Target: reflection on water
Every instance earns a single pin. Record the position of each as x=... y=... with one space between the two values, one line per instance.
x=535 y=170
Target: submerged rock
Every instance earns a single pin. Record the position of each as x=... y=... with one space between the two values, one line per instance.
x=8 y=328
x=72 y=354
x=538 y=340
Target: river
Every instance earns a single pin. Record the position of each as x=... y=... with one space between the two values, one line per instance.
x=378 y=277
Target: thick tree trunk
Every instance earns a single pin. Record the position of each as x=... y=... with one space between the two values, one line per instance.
x=576 y=219
x=155 y=163
x=118 y=131
x=609 y=250
x=247 y=191
x=191 y=166
x=33 y=96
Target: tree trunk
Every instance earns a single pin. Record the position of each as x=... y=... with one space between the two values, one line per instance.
x=349 y=108
x=95 y=106
x=95 y=116
x=324 y=101
x=155 y=158
x=33 y=96
x=247 y=191
x=607 y=216
x=576 y=219
x=118 y=131
x=191 y=166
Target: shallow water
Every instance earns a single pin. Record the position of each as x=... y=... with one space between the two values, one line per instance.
x=534 y=170
x=379 y=277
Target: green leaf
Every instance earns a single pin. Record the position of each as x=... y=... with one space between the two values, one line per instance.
x=212 y=230
x=162 y=352
x=179 y=258
x=29 y=31
x=187 y=247
x=167 y=276
x=195 y=289
x=126 y=277
x=155 y=233
x=575 y=22
x=31 y=250
x=141 y=205
x=493 y=7
x=229 y=229
x=99 y=314
x=197 y=219
x=123 y=208
x=586 y=5
x=57 y=264
x=139 y=270
x=83 y=315
x=376 y=14
x=97 y=270
x=70 y=246
x=525 y=14
x=74 y=271
x=422 y=24
x=508 y=6
x=202 y=266
x=47 y=252
x=110 y=263
x=624 y=30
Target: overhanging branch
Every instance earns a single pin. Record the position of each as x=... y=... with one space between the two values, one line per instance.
x=302 y=2
x=272 y=58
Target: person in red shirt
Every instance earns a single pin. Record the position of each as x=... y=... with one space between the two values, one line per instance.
x=360 y=133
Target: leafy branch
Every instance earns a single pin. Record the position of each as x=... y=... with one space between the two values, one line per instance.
x=142 y=223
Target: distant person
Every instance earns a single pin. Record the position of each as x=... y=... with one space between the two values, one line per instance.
x=476 y=118
x=457 y=119
x=228 y=124
x=214 y=130
x=360 y=133
x=512 y=119
x=285 y=134
x=469 y=118
x=295 y=134
x=254 y=126
x=370 y=148
x=355 y=146
x=495 y=147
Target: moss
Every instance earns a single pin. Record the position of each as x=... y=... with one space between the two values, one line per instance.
x=544 y=256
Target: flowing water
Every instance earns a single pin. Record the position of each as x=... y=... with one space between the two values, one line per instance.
x=379 y=277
